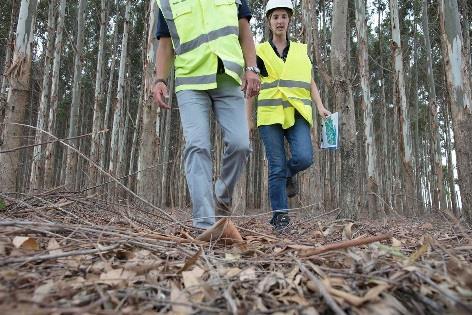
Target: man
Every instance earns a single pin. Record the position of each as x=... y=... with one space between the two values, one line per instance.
x=211 y=44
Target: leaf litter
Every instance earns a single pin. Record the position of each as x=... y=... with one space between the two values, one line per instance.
x=68 y=254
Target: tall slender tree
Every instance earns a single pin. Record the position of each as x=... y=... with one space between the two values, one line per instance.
x=345 y=105
x=50 y=147
x=439 y=196
x=74 y=121
x=313 y=177
x=406 y=149
x=148 y=150
x=19 y=75
x=37 y=167
x=8 y=55
x=119 y=117
x=459 y=88
x=370 y=150
x=98 y=109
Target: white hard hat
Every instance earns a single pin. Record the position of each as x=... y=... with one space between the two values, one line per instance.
x=274 y=4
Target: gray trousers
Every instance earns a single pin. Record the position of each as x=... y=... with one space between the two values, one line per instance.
x=227 y=103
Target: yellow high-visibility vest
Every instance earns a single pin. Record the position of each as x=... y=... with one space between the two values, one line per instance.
x=202 y=31
x=287 y=88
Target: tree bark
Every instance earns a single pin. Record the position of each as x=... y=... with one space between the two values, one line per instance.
x=98 y=108
x=439 y=196
x=345 y=104
x=106 y=120
x=418 y=202
x=37 y=167
x=149 y=146
x=19 y=75
x=400 y=96
x=313 y=177
x=450 y=164
x=119 y=117
x=74 y=121
x=7 y=63
x=370 y=147
x=49 y=176
x=458 y=85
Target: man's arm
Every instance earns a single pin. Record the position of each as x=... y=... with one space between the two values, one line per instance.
x=251 y=83
x=165 y=59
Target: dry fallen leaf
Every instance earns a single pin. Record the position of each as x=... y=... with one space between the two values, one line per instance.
x=223 y=231
x=41 y=292
x=54 y=247
x=231 y=257
x=191 y=261
x=396 y=243
x=116 y=276
x=231 y=272
x=27 y=243
x=192 y=282
x=178 y=298
x=248 y=274
x=347 y=231
x=329 y=230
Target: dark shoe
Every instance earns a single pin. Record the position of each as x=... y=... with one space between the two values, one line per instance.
x=280 y=221
x=292 y=186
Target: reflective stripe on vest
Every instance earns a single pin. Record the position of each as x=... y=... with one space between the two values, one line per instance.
x=212 y=34
x=286 y=83
x=207 y=79
x=276 y=102
x=287 y=87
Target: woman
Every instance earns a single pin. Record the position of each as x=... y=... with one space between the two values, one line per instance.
x=284 y=108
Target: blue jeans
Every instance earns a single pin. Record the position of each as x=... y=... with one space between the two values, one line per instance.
x=301 y=149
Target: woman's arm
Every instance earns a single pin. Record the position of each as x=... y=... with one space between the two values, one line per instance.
x=316 y=98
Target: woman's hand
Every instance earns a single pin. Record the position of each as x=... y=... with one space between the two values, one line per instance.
x=324 y=112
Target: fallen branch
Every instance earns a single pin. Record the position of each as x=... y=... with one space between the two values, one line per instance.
x=323 y=290
x=58 y=255
x=343 y=244
x=52 y=141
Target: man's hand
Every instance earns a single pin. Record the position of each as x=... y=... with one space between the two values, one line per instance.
x=251 y=84
x=160 y=93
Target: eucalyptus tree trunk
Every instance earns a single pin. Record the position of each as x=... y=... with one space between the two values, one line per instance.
x=400 y=96
x=7 y=63
x=96 y=150
x=106 y=120
x=54 y=98
x=74 y=121
x=385 y=169
x=458 y=85
x=419 y=204
x=450 y=164
x=37 y=167
x=313 y=177
x=370 y=150
x=466 y=7
x=149 y=145
x=439 y=196
x=119 y=116
x=19 y=75
x=166 y=122
x=345 y=105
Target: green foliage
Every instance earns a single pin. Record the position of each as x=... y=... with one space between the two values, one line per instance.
x=2 y=204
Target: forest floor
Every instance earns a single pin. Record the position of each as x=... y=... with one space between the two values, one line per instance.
x=68 y=254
